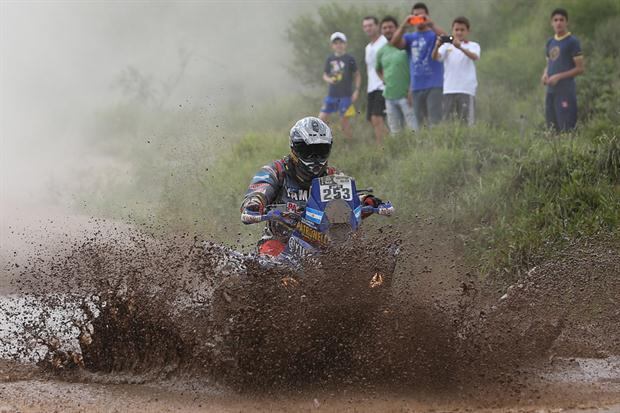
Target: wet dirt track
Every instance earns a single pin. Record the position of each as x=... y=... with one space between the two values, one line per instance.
x=44 y=393
x=547 y=342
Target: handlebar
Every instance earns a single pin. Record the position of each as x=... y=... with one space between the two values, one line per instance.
x=287 y=218
x=291 y=218
x=385 y=208
x=381 y=207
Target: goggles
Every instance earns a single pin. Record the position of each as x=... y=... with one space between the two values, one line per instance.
x=317 y=150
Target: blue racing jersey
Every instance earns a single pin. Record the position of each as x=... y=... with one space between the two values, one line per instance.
x=426 y=72
x=561 y=53
x=277 y=183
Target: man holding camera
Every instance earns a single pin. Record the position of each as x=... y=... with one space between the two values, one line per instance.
x=426 y=73
x=459 y=82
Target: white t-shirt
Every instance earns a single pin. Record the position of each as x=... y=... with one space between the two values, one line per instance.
x=459 y=71
x=374 y=82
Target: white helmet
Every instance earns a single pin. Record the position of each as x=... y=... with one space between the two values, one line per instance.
x=311 y=142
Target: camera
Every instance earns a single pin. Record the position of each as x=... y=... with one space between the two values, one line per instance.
x=446 y=39
x=415 y=20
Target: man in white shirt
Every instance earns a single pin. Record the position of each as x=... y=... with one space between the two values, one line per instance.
x=375 y=111
x=460 y=82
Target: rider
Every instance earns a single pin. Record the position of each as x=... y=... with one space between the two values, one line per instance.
x=287 y=181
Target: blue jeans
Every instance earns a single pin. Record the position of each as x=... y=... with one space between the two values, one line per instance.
x=399 y=114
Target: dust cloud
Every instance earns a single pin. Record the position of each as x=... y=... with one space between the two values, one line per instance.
x=63 y=61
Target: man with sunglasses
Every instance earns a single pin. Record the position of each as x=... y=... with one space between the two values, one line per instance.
x=287 y=181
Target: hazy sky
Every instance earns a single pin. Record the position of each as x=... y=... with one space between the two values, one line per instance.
x=59 y=62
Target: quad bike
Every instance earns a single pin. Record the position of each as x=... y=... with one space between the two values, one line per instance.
x=323 y=287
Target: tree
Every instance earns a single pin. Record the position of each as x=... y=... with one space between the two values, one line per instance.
x=309 y=36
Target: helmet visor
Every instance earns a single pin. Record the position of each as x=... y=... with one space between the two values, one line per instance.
x=316 y=151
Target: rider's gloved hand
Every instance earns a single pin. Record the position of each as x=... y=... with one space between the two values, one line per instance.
x=251 y=210
x=370 y=200
x=386 y=209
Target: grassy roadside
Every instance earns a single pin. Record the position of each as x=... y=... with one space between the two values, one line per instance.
x=513 y=198
x=513 y=195
x=512 y=192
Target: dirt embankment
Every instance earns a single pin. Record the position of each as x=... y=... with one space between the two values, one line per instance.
x=567 y=306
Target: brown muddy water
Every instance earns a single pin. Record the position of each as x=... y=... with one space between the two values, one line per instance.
x=116 y=320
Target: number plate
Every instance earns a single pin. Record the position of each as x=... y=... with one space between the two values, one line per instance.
x=336 y=187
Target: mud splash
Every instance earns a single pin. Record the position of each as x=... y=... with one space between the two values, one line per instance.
x=123 y=279
x=136 y=306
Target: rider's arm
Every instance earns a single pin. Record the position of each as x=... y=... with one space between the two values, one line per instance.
x=375 y=202
x=369 y=200
x=262 y=191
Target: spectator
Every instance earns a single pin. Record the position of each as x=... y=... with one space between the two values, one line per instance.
x=375 y=111
x=393 y=69
x=564 y=62
x=459 y=79
x=426 y=73
x=340 y=73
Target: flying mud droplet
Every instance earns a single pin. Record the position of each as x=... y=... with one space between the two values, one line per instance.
x=376 y=280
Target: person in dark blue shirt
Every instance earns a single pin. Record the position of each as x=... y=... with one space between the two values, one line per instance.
x=340 y=73
x=564 y=62
x=426 y=73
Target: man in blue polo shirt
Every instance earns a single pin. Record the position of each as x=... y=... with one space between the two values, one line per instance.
x=426 y=73
x=564 y=62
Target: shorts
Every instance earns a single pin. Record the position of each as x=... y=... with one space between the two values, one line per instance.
x=561 y=111
x=427 y=104
x=332 y=104
x=376 y=104
x=459 y=106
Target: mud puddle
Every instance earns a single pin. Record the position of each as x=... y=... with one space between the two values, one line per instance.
x=584 y=370
x=40 y=393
